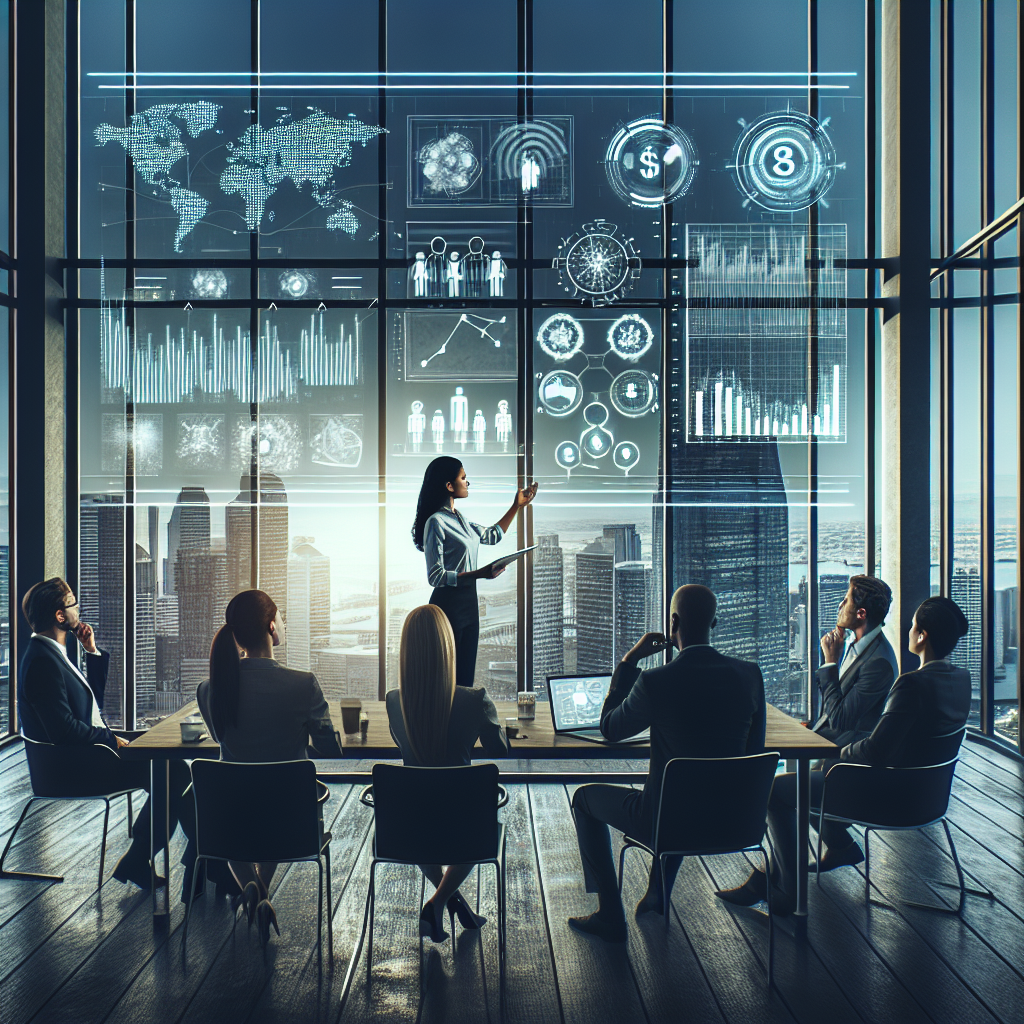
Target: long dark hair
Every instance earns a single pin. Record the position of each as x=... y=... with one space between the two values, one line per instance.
x=433 y=493
x=246 y=620
x=944 y=622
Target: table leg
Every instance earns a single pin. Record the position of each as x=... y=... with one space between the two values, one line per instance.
x=159 y=781
x=803 y=811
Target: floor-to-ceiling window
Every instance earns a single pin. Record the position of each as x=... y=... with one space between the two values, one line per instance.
x=7 y=723
x=621 y=252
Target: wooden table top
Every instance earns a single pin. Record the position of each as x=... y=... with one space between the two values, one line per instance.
x=536 y=739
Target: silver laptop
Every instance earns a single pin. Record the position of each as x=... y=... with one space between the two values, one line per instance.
x=576 y=703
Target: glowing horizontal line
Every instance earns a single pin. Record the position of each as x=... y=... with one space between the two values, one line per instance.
x=479 y=86
x=473 y=74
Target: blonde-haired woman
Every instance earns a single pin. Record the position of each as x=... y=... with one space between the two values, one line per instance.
x=436 y=724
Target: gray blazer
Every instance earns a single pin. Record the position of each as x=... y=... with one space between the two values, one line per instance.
x=280 y=711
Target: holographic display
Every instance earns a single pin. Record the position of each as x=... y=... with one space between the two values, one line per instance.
x=490 y=161
x=748 y=323
x=650 y=162
x=784 y=161
x=280 y=444
x=148 y=441
x=630 y=336
x=560 y=336
x=596 y=263
x=201 y=441
x=336 y=440
x=633 y=393
x=560 y=392
x=443 y=345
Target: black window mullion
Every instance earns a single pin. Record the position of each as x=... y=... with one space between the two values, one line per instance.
x=254 y=325
x=383 y=316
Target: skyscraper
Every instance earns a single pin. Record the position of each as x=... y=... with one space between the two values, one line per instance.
x=595 y=608
x=201 y=580
x=966 y=591
x=145 y=632
x=730 y=532
x=188 y=530
x=832 y=588
x=633 y=613
x=309 y=602
x=548 y=610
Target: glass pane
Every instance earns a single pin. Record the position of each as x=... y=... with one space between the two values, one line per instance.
x=5 y=133
x=5 y=539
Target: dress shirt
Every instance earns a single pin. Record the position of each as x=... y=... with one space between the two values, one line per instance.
x=854 y=649
x=451 y=544
x=94 y=709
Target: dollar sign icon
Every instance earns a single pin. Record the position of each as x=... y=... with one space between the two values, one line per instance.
x=650 y=161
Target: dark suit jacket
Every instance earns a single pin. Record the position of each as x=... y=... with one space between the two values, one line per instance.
x=473 y=715
x=701 y=704
x=54 y=705
x=280 y=711
x=851 y=706
x=921 y=722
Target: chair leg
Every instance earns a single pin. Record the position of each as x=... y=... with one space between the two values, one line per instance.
x=664 y=892
x=499 y=879
x=961 y=885
x=867 y=866
x=191 y=899
x=103 y=840
x=771 y=922
x=368 y=916
x=622 y=859
x=26 y=875
x=319 y=907
x=817 y=857
x=330 y=905
x=129 y=796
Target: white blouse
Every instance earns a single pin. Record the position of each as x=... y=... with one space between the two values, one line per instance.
x=451 y=545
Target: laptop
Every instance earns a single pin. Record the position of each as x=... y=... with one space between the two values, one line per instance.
x=576 y=703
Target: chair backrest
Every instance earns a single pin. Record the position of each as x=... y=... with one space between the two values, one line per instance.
x=256 y=812
x=72 y=771
x=888 y=797
x=714 y=804
x=435 y=815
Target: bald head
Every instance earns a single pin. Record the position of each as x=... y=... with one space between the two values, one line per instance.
x=693 y=614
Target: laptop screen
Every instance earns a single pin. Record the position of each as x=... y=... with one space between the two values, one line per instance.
x=576 y=701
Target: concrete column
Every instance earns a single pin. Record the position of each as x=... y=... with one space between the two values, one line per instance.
x=40 y=369
x=904 y=194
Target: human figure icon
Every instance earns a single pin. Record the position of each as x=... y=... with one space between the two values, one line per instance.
x=475 y=269
x=503 y=424
x=459 y=416
x=530 y=173
x=496 y=275
x=418 y=275
x=479 y=430
x=453 y=275
x=437 y=428
x=417 y=425
x=436 y=265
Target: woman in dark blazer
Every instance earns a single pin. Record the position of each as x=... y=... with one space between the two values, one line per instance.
x=258 y=710
x=436 y=724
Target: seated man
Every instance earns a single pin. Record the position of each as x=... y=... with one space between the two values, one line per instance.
x=701 y=704
x=57 y=704
x=920 y=725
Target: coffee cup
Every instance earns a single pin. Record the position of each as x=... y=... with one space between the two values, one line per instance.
x=192 y=728
x=364 y=724
x=511 y=728
x=350 y=708
x=526 y=702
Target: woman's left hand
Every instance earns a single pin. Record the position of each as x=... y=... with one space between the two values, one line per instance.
x=526 y=494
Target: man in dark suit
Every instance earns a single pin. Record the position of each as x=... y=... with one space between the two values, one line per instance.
x=858 y=670
x=57 y=704
x=701 y=704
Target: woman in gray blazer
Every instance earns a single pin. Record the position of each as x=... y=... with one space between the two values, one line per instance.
x=436 y=724
x=258 y=710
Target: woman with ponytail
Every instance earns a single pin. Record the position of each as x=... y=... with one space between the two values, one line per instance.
x=436 y=724
x=258 y=710
x=451 y=545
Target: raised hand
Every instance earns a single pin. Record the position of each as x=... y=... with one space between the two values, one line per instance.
x=648 y=644
x=526 y=494
x=832 y=644
x=86 y=637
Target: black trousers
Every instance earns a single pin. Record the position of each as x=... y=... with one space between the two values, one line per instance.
x=460 y=605
x=135 y=775
x=597 y=806
x=782 y=821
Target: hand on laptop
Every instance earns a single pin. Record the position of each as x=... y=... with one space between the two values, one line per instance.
x=648 y=644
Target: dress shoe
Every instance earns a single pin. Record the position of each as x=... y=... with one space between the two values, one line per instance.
x=650 y=904
x=848 y=855
x=594 y=924
x=753 y=890
x=265 y=917
x=458 y=907
x=132 y=868
x=431 y=923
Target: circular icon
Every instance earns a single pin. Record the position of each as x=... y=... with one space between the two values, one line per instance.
x=625 y=456
x=560 y=336
x=597 y=442
x=596 y=414
x=784 y=161
x=560 y=392
x=650 y=163
x=593 y=262
x=567 y=455
x=633 y=393
x=630 y=336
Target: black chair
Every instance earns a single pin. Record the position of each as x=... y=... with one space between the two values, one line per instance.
x=261 y=812
x=711 y=805
x=70 y=773
x=896 y=800
x=436 y=816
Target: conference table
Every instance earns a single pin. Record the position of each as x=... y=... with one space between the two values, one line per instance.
x=536 y=741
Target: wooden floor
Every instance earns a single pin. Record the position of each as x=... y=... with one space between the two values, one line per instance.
x=71 y=953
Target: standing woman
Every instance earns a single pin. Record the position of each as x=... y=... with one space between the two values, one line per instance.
x=451 y=545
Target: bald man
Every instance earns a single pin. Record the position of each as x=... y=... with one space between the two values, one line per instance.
x=700 y=704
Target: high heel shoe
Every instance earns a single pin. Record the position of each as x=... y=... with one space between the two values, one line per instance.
x=265 y=917
x=431 y=923
x=458 y=907
x=248 y=899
